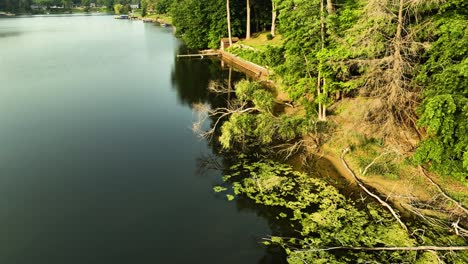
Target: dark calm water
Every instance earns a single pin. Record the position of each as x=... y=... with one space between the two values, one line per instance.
x=97 y=160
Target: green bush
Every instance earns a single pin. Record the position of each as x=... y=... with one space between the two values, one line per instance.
x=269 y=36
x=270 y=56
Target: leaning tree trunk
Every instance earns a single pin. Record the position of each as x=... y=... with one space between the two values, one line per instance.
x=247 y=35
x=228 y=13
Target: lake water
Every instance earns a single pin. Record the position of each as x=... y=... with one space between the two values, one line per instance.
x=98 y=163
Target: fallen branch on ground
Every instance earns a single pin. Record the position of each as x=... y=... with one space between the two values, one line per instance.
x=361 y=185
x=374 y=161
x=459 y=205
x=420 y=248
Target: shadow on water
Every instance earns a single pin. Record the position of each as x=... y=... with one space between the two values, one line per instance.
x=191 y=78
x=10 y=34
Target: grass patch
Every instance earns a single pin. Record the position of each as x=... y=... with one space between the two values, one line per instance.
x=259 y=41
x=162 y=17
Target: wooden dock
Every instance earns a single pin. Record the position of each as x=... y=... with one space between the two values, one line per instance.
x=250 y=68
x=198 y=55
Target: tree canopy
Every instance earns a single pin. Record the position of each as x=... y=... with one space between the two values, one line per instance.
x=411 y=56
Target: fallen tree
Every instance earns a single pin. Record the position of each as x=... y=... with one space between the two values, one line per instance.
x=363 y=187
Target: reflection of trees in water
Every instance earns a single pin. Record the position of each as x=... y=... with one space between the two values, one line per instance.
x=222 y=161
x=191 y=77
x=274 y=254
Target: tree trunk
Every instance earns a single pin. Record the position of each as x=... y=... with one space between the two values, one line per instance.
x=273 y=17
x=228 y=12
x=247 y=35
x=398 y=42
x=229 y=87
x=318 y=95
x=322 y=108
x=330 y=8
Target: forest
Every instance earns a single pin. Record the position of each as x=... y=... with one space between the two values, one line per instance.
x=402 y=64
x=409 y=54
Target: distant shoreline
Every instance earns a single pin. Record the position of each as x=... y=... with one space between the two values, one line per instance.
x=61 y=11
x=55 y=15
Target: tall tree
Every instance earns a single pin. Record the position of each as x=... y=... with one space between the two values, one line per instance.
x=321 y=89
x=228 y=15
x=200 y=24
x=322 y=83
x=444 y=110
x=247 y=34
x=274 y=13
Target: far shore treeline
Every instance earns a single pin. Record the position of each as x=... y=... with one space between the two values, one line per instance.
x=37 y=6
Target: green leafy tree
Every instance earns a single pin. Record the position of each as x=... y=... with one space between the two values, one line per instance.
x=301 y=26
x=67 y=4
x=118 y=9
x=250 y=124
x=200 y=24
x=444 y=111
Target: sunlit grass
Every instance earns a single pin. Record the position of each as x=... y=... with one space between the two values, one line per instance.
x=259 y=40
x=167 y=19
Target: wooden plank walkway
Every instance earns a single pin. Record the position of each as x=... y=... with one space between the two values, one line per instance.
x=257 y=70
x=201 y=55
x=253 y=69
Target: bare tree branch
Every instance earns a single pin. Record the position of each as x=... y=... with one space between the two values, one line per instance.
x=459 y=205
x=373 y=162
x=204 y=112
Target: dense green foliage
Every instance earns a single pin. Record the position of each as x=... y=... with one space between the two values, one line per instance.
x=156 y=6
x=410 y=55
x=271 y=56
x=200 y=24
x=322 y=217
x=16 y=5
x=255 y=125
x=445 y=109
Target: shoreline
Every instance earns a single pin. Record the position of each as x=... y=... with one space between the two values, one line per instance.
x=408 y=188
